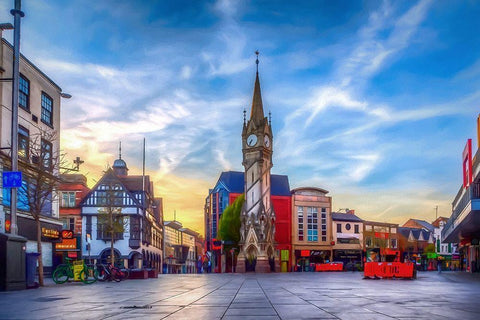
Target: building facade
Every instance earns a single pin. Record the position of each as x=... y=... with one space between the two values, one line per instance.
x=38 y=150
x=181 y=249
x=130 y=199
x=229 y=186
x=72 y=190
x=347 y=231
x=381 y=241
x=311 y=228
x=447 y=253
x=463 y=226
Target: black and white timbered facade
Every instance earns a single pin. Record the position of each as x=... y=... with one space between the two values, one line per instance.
x=132 y=199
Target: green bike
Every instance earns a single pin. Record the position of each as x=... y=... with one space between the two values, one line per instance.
x=64 y=272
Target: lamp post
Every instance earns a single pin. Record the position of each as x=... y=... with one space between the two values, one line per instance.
x=17 y=14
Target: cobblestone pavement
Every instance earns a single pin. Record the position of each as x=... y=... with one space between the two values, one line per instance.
x=449 y=295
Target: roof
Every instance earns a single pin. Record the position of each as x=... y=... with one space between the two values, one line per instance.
x=300 y=189
x=135 y=183
x=405 y=231
x=173 y=224
x=9 y=45
x=119 y=163
x=256 y=113
x=339 y=216
x=425 y=224
x=234 y=181
x=422 y=224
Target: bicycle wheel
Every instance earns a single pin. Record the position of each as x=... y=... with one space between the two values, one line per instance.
x=88 y=275
x=102 y=274
x=116 y=274
x=61 y=274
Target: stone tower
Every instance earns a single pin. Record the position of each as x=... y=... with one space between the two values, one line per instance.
x=257 y=231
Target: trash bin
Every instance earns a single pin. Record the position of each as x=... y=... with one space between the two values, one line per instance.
x=31 y=269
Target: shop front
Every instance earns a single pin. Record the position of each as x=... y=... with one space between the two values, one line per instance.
x=305 y=260
x=50 y=235
x=352 y=259
x=68 y=247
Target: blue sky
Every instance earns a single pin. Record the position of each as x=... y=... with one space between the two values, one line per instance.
x=371 y=100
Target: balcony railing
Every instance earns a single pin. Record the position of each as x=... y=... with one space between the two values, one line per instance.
x=473 y=192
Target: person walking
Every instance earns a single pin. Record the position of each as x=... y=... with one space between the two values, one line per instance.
x=439 y=265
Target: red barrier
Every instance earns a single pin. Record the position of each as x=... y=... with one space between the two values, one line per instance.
x=389 y=270
x=332 y=266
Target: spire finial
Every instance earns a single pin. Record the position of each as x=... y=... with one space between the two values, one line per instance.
x=256 y=61
x=244 y=116
x=269 y=118
x=120 y=150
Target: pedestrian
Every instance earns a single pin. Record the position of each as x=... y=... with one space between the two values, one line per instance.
x=439 y=265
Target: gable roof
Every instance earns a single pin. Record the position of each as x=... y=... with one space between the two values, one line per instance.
x=340 y=216
x=109 y=177
x=233 y=181
x=418 y=234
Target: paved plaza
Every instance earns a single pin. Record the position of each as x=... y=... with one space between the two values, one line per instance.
x=449 y=295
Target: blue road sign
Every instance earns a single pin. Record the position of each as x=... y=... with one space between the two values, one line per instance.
x=12 y=179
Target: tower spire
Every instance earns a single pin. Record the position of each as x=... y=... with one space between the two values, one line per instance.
x=257 y=114
x=120 y=150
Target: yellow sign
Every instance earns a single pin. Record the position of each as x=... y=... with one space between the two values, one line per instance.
x=77 y=268
x=50 y=233
x=66 y=244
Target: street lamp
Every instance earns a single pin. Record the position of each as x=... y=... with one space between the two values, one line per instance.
x=17 y=14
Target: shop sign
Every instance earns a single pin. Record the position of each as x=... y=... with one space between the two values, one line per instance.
x=67 y=244
x=467 y=164
x=381 y=235
x=8 y=224
x=216 y=244
x=305 y=253
x=50 y=233
x=431 y=255
x=67 y=234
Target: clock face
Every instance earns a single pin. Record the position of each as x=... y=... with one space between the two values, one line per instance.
x=251 y=140
x=266 y=141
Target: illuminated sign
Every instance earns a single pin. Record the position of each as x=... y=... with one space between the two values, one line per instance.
x=305 y=253
x=50 y=233
x=381 y=235
x=67 y=234
x=7 y=225
x=216 y=244
x=67 y=244
x=467 y=164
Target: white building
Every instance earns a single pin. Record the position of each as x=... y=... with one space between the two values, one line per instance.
x=38 y=111
x=140 y=243
x=448 y=251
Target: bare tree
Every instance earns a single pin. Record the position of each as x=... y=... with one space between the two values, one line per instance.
x=40 y=164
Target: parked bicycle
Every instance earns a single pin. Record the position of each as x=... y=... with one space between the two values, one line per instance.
x=65 y=272
x=109 y=272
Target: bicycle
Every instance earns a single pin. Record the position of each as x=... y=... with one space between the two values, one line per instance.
x=109 y=272
x=64 y=272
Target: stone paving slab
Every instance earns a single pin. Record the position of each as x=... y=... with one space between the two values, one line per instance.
x=253 y=296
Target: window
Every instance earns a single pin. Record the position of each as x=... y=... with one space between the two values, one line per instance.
x=312 y=224
x=394 y=243
x=23 y=142
x=393 y=230
x=46 y=154
x=68 y=224
x=348 y=226
x=300 y=223
x=47 y=109
x=67 y=199
x=134 y=228
x=368 y=241
x=357 y=228
x=24 y=93
x=339 y=227
x=103 y=232
x=324 y=224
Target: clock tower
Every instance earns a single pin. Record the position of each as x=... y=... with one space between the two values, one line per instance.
x=257 y=231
